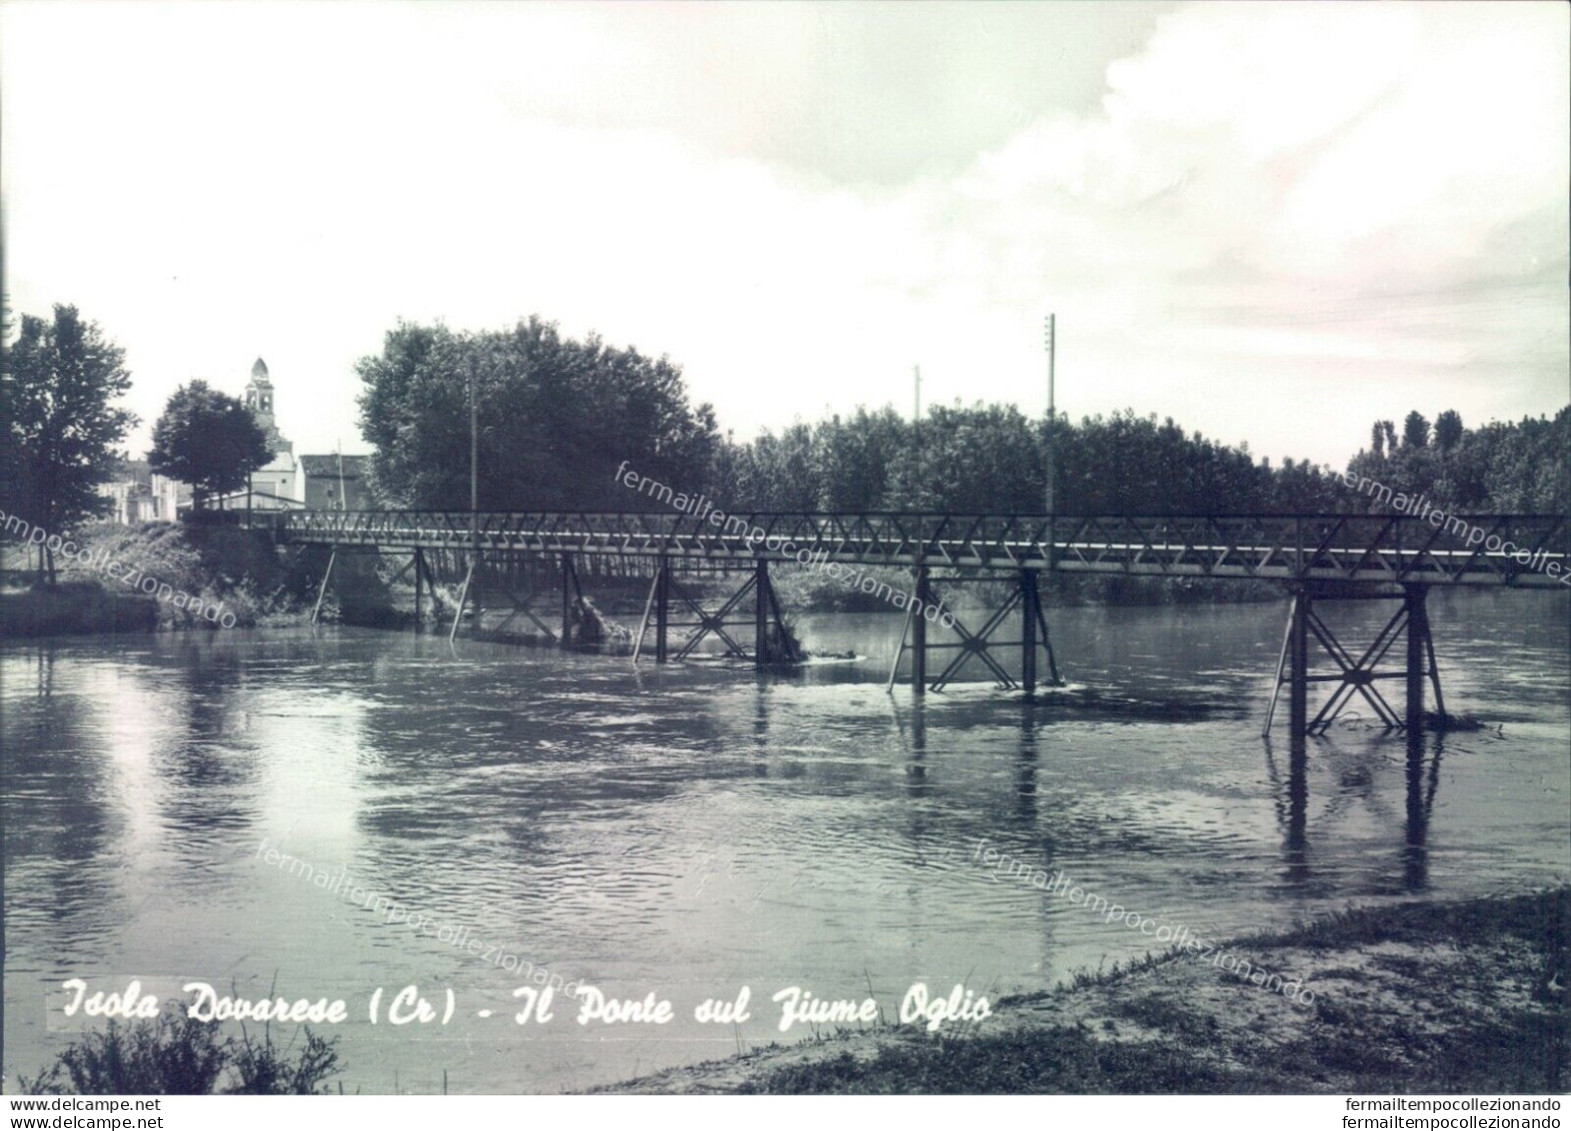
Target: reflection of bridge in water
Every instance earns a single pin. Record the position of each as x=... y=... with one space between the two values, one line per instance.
x=1290 y=794
x=1422 y=775
x=1317 y=558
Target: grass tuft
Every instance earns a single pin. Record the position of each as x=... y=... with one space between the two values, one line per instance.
x=182 y=1056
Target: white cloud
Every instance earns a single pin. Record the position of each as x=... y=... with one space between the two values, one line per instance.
x=1281 y=222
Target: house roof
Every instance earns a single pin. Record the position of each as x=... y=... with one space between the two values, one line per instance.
x=355 y=467
x=131 y=470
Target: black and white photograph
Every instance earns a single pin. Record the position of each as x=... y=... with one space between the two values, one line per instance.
x=985 y=548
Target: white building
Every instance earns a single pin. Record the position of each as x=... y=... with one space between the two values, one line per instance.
x=136 y=495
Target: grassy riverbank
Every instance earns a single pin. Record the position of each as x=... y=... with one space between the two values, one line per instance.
x=1441 y=998
x=73 y=608
x=1454 y=998
x=164 y=576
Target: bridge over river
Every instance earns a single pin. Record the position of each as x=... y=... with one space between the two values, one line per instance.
x=1316 y=558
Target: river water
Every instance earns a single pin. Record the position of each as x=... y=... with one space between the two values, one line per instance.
x=693 y=829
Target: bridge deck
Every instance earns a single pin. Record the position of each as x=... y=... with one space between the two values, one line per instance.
x=1521 y=551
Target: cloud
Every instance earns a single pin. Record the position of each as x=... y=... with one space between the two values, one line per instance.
x=1300 y=195
x=1272 y=222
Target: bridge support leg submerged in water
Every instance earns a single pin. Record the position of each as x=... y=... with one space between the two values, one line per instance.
x=321 y=592
x=521 y=587
x=420 y=578
x=772 y=640
x=1355 y=676
x=1034 y=635
x=580 y=624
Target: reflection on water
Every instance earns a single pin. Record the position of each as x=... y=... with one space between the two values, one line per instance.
x=1423 y=755
x=692 y=829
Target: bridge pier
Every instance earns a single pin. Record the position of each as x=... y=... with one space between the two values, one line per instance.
x=1030 y=609
x=574 y=609
x=662 y=608
x=1032 y=619
x=772 y=642
x=1420 y=656
x=1034 y=635
x=321 y=592
x=715 y=623
x=419 y=564
x=1299 y=692
x=1355 y=676
x=761 y=614
x=463 y=600
x=565 y=639
x=767 y=649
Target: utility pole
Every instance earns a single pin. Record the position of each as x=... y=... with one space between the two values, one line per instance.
x=1051 y=336
x=474 y=464
x=474 y=515
x=916 y=435
x=1051 y=330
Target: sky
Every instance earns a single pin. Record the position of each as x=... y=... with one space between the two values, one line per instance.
x=1275 y=223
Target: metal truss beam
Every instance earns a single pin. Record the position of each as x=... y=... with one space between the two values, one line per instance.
x=1475 y=550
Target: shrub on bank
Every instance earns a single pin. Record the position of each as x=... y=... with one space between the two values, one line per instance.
x=74 y=607
x=183 y=1056
x=237 y=571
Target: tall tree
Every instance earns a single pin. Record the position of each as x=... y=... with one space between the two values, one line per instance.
x=1448 y=430
x=208 y=439
x=1415 y=430
x=1519 y=467
x=10 y=440
x=58 y=385
x=556 y=418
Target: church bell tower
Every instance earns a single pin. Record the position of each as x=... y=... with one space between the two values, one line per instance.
x=259 y=399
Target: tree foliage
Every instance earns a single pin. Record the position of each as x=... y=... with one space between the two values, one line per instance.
x=1448 y=430
x=993 y=458
x=1517 y=468
x=1415 y=430
x=208 y=439
x=556 y=418
x=58 y=385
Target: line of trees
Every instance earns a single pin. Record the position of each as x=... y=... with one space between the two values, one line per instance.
x=992 y=458
x=1521 y=467
x=557 y=416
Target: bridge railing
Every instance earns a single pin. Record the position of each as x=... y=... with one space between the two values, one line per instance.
x=1515 y=550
